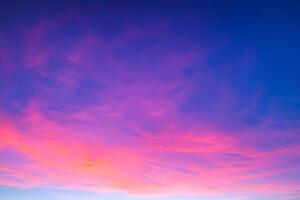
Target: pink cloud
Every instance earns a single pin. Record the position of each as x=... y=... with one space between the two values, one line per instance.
x=150 y=164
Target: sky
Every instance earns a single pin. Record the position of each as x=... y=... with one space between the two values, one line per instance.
x=149 y=100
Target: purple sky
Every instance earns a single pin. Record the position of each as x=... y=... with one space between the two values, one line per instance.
x=149 y=100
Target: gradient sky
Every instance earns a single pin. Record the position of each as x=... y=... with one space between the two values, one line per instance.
x=149 y=100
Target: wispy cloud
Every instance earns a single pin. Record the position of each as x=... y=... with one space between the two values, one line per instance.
x=133 y=111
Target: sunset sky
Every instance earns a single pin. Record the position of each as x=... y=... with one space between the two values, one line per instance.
x=149 y=100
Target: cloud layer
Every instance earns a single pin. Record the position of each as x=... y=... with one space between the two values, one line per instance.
x=137 y=109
